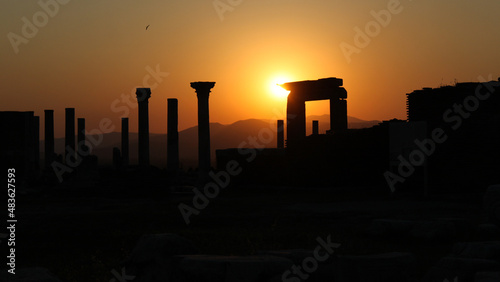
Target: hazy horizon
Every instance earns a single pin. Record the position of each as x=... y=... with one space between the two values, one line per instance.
x=323 y=124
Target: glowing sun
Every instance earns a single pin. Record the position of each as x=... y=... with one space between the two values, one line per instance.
x=276 y=90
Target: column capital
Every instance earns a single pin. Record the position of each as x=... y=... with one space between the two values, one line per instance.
x=143 y=94
x=202 y=87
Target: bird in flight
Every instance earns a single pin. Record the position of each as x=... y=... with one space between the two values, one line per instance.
x=147 y=27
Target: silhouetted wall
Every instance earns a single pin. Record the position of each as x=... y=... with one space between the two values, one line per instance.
x=469 y=115
x=18 y=144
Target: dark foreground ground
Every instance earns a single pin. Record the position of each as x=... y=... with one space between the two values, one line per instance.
x=83 y=234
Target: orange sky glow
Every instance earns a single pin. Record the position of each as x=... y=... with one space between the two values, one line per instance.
x=91 y=55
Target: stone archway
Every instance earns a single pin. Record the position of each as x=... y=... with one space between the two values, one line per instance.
x=313 y=90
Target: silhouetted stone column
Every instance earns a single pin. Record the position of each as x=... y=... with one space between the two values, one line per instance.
x=69 y=140
x=203 y=91
x=125 y=145
x=81 y=138
x=296 y=120
x=143 y=95
x=315 y=127
x=281 y=134
x=338 y=115
x=49 y=137
x=172 y=135
x=36 y=133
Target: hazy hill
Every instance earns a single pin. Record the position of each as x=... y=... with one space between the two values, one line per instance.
x=233 y=135
x=324 y=123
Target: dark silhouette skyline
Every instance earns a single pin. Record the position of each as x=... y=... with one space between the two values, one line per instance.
x=305 y=184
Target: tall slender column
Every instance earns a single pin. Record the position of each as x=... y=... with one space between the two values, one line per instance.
x=125 y=142
x=203 y=92
x=172 y=135
x=69 y=143
x=281 y=134
x=49 y=137
x=143 y=95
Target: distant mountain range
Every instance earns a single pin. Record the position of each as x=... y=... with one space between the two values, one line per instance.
x=222 y=137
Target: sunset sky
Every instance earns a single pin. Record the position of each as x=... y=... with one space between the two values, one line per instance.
x=92 y=54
